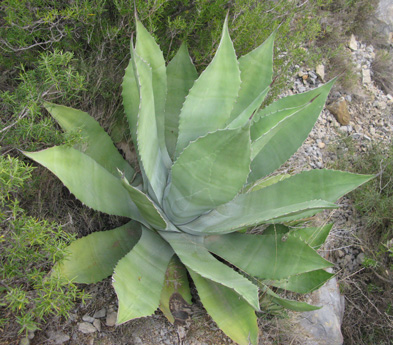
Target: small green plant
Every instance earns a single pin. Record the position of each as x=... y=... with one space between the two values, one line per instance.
x=205 y=154
x=29 y=248
x=373 y=203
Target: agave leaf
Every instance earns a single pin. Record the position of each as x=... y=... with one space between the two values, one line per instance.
x=181 y=74
x=97 y=143
x=246 y=115
x=176 y=282
x=88 y=181
x=146 y=206
x=231 y=313
x=309 y=191
x=305 y=282
x=245 y=212
x=93 y=258
x=266 y=256
x=290 y=304
x=210 y=100
x=148 y=142
x=209 y=172
x=148 y=50
x=131 y=98
x=195 y=256
x=139 y=276
x=256 y=71
x=273 y=125
x=313 y=236
x=276 y=138
x=266 y=182
x=330 y=185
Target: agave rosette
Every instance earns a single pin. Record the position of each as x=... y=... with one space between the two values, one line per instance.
x=206 y=153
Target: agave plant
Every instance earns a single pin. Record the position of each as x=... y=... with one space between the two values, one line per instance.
x=206 y=155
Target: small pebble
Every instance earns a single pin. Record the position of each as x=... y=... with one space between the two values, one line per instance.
x=86 y=327
x=87 y=318
x=111 y=319
x=24 y=341
x=97 y=324
x=100 y=313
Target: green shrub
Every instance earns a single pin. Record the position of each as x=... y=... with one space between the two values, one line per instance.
x=55 y=51
x=371 y=289
x=29 y=247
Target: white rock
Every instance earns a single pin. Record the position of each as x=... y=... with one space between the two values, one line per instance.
x=366 y=76
x=86 y=327
x=320 y=70
x=353 y=44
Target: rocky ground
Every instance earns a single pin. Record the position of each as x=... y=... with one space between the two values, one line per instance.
x=366 y=116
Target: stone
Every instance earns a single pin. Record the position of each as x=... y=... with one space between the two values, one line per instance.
x=58 y=338
x=323 y=326
x=97 y=324
x=385 y=12
x=321 y=145
x=340 y=111
x=366 y=76
x=86 y=327
x=353 y=44
x=381 y=105
x=137 y=340
x=360 y=258
x=30 y=335
x=111 y=319
x=320 y=70
x=87 y=318
x=100 y=314
x=24 y=341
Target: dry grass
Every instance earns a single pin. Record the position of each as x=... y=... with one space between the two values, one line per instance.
x=367 y=319
x=382 y=67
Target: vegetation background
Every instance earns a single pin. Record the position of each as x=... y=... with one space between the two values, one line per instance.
x=74 y=52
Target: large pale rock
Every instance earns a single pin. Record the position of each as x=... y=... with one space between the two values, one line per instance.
x=340 y=111
x=385 y=12
x=323 y=326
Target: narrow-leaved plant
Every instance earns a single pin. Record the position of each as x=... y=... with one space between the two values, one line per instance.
x=206 y=155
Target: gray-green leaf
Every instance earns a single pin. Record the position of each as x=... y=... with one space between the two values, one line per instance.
x=139 y=277
x=209 y=172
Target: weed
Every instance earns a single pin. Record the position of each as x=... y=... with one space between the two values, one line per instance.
x=373 y=286
x=28 y=249
x=382 y=68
